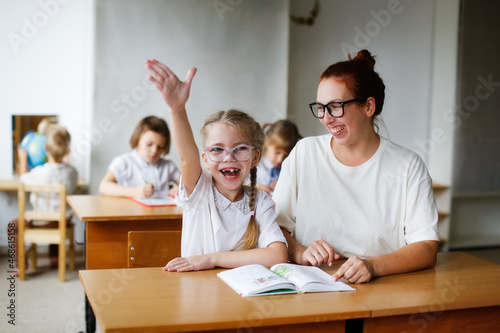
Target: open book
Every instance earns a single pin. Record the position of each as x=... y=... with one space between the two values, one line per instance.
x=257 y=280
x=163 y=200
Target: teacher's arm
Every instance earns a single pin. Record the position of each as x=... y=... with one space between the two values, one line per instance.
x=409 y=258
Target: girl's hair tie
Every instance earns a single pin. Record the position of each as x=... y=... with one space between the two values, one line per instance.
x=252 y=213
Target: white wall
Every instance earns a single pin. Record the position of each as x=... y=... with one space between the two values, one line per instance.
x=240 y=50
x=399 y=33
x=43 y=66
x=44 y=58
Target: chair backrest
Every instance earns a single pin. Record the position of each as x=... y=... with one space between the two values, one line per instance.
x=153 y=248
x=41 y=211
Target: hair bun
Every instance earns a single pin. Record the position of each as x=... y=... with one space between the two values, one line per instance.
x=365 y=57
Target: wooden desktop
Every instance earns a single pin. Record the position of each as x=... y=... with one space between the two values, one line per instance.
x=10 y=184
x=461 y=293
x=108 y=221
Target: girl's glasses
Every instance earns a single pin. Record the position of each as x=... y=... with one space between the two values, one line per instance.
x=238 y=153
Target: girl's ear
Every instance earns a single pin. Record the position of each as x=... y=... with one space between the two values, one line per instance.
x=256 y=157
x=370 y=107
x=204 y=157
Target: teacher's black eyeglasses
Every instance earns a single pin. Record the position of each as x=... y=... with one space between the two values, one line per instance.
x=335 y=109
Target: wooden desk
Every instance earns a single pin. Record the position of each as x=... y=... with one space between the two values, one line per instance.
x=149 y=299
x=108 y=221
x=11 y=184
x=460 y=293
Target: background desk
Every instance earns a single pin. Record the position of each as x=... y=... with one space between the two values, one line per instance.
x=11 y=184
x=459 y=294
x=108 y=221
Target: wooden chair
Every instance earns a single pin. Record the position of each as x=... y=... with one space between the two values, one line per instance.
x=153 y=248
x=44 y=235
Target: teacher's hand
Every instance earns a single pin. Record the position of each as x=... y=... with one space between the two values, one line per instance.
x=355 y=270
x=319 y=253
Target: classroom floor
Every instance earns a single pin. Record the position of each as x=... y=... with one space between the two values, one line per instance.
x=43 y=304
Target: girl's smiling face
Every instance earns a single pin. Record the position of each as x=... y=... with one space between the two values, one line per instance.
x=151 y=146
x=230 y=174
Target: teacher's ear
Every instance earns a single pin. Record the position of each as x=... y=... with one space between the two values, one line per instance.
x=370 y=107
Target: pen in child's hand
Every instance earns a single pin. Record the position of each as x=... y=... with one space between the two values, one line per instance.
x=146 y=182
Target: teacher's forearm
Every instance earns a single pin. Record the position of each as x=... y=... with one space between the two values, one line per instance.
x=409 y=258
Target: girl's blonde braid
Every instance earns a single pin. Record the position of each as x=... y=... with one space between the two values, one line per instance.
x=251 y=235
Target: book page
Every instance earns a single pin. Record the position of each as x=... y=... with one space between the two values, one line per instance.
x=163 y=200
x=309 y=278
x=250 y=280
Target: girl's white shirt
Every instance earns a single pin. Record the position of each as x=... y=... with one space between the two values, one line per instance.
x=212 y=223
x=131 y=170
x=264 y=170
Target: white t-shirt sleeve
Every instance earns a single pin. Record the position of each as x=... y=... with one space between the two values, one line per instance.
x=285 y=193
x=29 y=177
x=269 y=230
x=421 y=212
x=197 y=194
x=121 y=169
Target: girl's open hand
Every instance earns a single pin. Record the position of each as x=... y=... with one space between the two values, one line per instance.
x=174 y=91
x=186 y=264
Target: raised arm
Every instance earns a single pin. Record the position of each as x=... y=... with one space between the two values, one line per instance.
x=176 y=93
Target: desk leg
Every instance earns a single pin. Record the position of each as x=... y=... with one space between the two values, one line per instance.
x=354 y=325
x=89 y=313
x=89 y=317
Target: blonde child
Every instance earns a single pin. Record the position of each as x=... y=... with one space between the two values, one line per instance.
x=225 y=224
x=55 y=171
x=143 y=172
x=281 y=137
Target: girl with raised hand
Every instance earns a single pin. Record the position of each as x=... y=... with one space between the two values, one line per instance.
x=224 y=224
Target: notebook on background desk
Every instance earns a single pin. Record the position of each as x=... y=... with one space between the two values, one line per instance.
x=155 y=201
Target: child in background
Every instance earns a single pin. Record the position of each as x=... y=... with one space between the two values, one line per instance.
x=55 y=171
x=143 y=172
x=224 y=223
x=33 y=143
x=281 y=137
